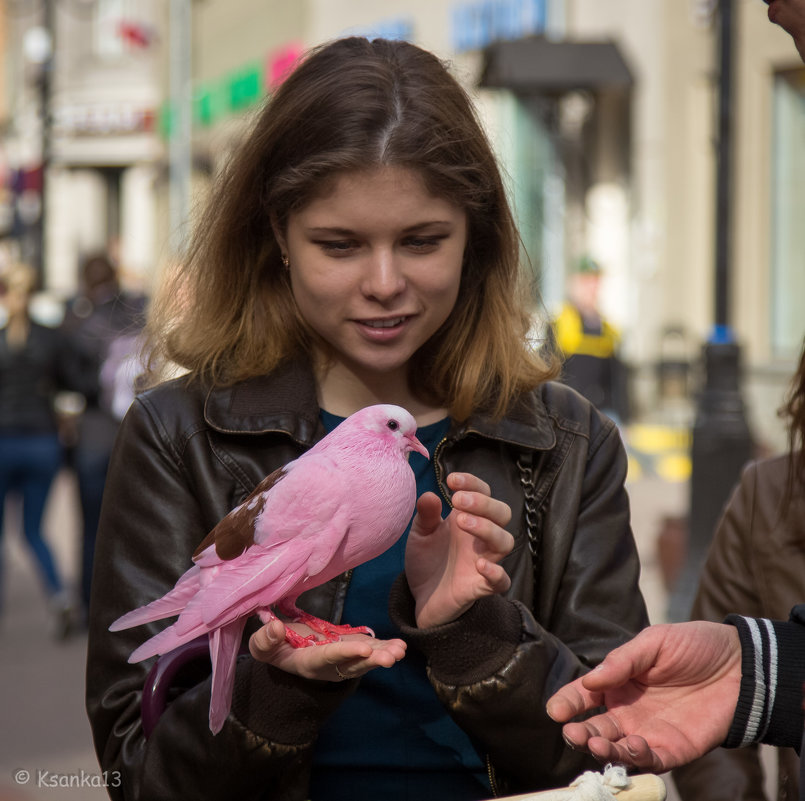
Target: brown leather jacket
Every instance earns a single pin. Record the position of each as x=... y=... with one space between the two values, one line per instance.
x=755 y=567
x=186 y=456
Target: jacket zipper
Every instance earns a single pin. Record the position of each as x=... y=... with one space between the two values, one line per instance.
x=438 y=470
x=490 y=772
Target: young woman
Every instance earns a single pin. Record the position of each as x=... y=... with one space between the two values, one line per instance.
x=360 y=249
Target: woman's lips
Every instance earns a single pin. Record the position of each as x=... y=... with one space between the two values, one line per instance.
x=390 y=322
x=383 y=328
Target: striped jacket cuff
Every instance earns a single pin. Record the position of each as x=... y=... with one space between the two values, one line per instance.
x=769 y=708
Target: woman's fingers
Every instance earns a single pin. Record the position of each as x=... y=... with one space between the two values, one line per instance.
x=474 y=495
x=429 y=512
x=353 y=654
x=265 y=641
x=496 y=577
x=480 y=514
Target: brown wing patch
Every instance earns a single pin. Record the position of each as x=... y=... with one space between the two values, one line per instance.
x=235 y=533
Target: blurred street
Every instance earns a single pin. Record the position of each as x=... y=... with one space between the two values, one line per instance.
x=45 y=738
x=680 y=188
x=45 y=741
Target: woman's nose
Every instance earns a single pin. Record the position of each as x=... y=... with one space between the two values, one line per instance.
x=383 y=278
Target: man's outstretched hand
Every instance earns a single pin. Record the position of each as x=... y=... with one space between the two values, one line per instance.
x=670 y=695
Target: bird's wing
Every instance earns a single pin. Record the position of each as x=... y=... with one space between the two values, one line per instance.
x=311 y=481
x=314 y=493
x=235 y=532
x=295 y=529
x=257 y=579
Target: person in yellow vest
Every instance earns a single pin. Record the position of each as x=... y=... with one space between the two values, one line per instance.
x=590 y=345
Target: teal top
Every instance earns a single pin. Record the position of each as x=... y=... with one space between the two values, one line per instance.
x=392 y=739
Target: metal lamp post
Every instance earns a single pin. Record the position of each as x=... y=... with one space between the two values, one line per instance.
x=722 y=442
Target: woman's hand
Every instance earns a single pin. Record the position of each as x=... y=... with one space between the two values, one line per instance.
x=451 y=563
x=348 y=658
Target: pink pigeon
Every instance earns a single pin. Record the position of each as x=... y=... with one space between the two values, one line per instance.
x=342 y=503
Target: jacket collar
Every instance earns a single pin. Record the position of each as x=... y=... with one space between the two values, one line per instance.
x=526 y=425
x=286 y=401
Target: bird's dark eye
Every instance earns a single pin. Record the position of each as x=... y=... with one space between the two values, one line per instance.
x=393 y=425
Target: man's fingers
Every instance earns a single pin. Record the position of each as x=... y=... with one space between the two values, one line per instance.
x=576 y=735
x=565 y=704
x=571 y=700
x=560 y=708
x=624 y=663
x=633 y=751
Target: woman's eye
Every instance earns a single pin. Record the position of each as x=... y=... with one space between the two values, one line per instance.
x=337 y=247
x=422 y=243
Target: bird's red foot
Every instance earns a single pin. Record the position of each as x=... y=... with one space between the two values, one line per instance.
x=296 y=640
x=330 y=632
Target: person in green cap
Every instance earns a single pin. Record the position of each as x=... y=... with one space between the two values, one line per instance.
x=590 y=344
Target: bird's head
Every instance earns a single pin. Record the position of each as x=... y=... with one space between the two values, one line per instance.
x=391 y=423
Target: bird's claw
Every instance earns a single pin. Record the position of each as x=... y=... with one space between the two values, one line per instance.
x=296 y=640
x=330 y=632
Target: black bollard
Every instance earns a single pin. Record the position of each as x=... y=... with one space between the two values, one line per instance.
x=721 y=446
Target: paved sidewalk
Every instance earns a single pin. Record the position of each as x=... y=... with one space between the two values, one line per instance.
x=45 y=747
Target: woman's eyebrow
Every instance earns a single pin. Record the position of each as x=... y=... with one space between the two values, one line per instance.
x=318 y=230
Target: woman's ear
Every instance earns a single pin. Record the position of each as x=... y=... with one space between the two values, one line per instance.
x=279 y=233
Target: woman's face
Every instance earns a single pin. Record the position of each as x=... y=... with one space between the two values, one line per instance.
x=375 y=267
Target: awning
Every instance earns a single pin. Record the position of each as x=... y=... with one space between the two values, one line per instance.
x=536 y=64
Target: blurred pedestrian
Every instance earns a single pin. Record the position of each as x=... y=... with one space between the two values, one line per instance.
x=590 y=344
x=33 y=361
x=755 y=566
x=102 y=324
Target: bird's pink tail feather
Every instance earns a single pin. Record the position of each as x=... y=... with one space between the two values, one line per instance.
x=224 y=647
x=172 y=603
x=190 y=625
x=167 y=640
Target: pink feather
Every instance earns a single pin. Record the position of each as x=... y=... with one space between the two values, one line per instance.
x=342 y=503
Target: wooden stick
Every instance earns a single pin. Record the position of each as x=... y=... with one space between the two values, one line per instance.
x=644 y=787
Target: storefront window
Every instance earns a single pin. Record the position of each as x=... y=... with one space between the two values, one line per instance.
x=787 y=212
x=536 y=188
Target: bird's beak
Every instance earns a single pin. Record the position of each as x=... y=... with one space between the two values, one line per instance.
x=415 y=445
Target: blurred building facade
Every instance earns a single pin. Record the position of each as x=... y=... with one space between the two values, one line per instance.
x=84 y=87
x=603 y=114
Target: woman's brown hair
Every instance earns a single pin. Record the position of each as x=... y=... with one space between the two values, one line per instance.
x=227 y=312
